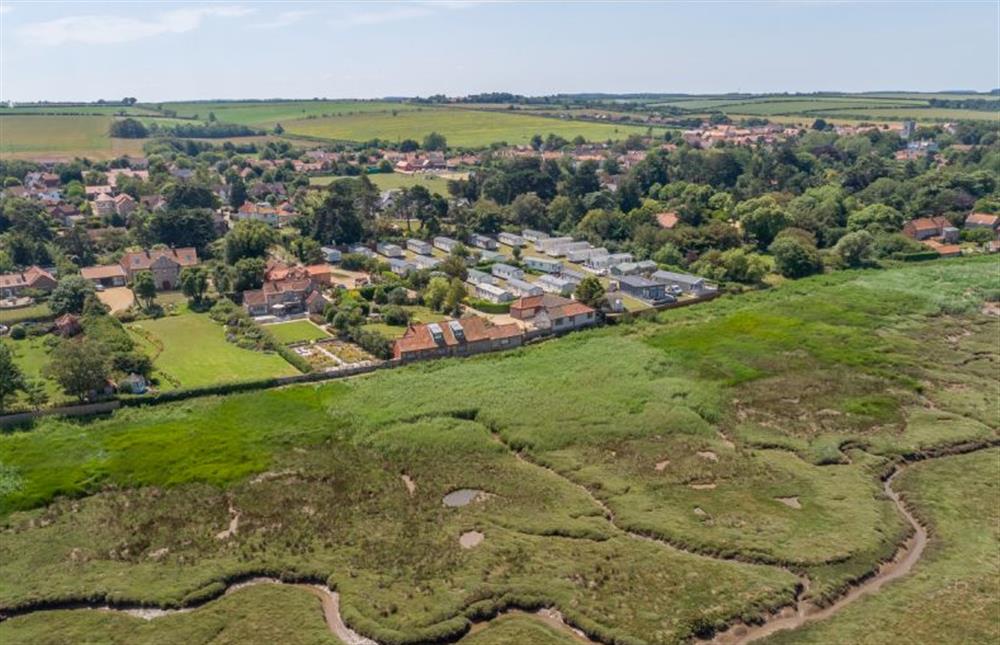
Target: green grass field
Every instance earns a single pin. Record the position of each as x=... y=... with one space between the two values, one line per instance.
x=76 y=110
x=191 y=351
x=21 y=314
x=32 y=355
x=61 y=137
x=394 y=181
x=689 y=429
x=462 y=128
x=296 y=331
x=266 y=114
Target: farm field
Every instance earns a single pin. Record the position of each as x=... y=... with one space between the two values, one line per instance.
x=462 y=128
x=296 y=331
x=61 y=137
x=76 y=110
x=919 y=114
x=681 y=430
x=190 y=350
x=266 y=114
x=779 y=105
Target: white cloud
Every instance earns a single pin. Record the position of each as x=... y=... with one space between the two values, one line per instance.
x=283 y=19
x=105 y=30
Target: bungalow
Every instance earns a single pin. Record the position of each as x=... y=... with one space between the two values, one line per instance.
x=425 y=262
x=331 y=254
x=532 y=235
x=553 y=313
x=472 y=335
x=34 y=277
x=642 y=288
x=544 y=265
x=556 y=284
x=983 y=220
x=389 y=250
x=603 y=263
x=401 y=267
x=480 y=277
x=445 y=244
x=483 y=242
x=506 y=271
x=419 y=246
x=584 y=254
x=108 y=275
x=493 y=293
x=510 y=239
x=684 y=282
x=93 y=191
x=522 y=288
x=643 y=267
x=165 y=265
x=280 y=297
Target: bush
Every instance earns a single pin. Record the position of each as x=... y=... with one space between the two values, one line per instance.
x=18 y=332
x=488 y=307
x=395 y=315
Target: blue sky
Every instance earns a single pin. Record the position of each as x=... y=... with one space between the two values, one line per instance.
x=244 y=49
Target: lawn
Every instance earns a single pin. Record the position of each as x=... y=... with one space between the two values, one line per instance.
x=21 y=314
x=393 y=181
x=61 y=137
x=296 y=331
x=689 y=429
x=191 y=351
x=462 y=128
x=32 y=355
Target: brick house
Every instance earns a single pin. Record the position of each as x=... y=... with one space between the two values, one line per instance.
x=281 y=297
x=165 y=265
x=12 y=284
x=553 y=313
x=472 y=335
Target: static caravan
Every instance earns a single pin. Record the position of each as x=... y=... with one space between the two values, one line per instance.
x=544 y=245
x=545 y=265
x=445 y=244
x=419 y=246
x=523 y=289
x=510 y=239
x=561 y=250
x=331 y=254
x=582 y=255
x=493 y=293
x=480 y=277
x=556 y=284
x=483 y=242
x=389 y=250
x=506 y=271
x=532 y=235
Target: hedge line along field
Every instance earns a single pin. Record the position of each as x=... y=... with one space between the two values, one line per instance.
x=697 y=429
x=461 y=127
x=61 y=137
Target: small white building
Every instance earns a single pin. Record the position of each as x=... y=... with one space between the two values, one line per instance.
x=445 y=244
x=556 y=284
x=545 y=265
x=547 y=243
x=419 y=246
x=493 y=293
x=506 y=271
x=523 y=289
x=389 y=250
x=331 y=254
x=477 y=277
x=483 y=242
x=511 y=239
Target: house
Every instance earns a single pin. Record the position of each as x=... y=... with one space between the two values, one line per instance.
x=425 y=262
x=445 y=244
x=92 y=192
x=923 y=228
x=389 y=250
x=603 y=263
x=109 y=275
x=419 y=246
x=643 y=288
x=124 y=205
x=34 y=277
x=472 y=335
x=483 y=242
x=67 y=325
x=667 y=220
x=556 y=284
x=983 y=220
x=104 y=205
x=510 y=239
x=532 y=235
x=331 y=254
x=401 y=267
x=165 y=265
x=553 y=313
x=259 y=212
x=492 y=292
x=480 y=277
x=643 y=267
x=545 y=265
x=684 y=282
x=66 y=214
x=280 y=297
x=521 y=288
x=506 y=271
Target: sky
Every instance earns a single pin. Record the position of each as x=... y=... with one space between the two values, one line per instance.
x=164 y=50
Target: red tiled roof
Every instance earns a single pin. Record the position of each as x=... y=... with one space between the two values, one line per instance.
x=667 y=220
x=418 y=337
x=141 y=260
x=103 y=272
x=982 y=219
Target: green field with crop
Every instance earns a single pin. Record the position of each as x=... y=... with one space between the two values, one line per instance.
x=694 y=430
x=462 y=127
x=76 y=110
x=191 y=351
x=61 y=137
x=918 y=114
x=266 y=114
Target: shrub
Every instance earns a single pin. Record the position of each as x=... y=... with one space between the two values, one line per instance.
x=18 y=332
x=489 y=307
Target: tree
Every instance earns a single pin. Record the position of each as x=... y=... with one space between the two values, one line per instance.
x=877 y=217
x=194 y=283
x=454 y=266
x=339 y=215
x=184 y=227
x=590 y=292
x=248 y=239
x=80 y=367
x=307 y=250
x=249 y=274
x=855 y=248
x=435 y=141
x=762 y=219
x=456 y=294
x=128 y=129
x=237 y=190
x=36 y=394
x=11 y=378
x=794 y=257
x=144 y=287
x=436 y=292
x=408 y=145
x=186 y=195
x=70 y=295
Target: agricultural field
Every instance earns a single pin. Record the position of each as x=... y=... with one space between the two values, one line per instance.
x=296 y=331
x=191 y=350
x=746 y=438
x=266 y=114
x=61 y=138
x=919 y=114
x=462 y=128
x=77 y=110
